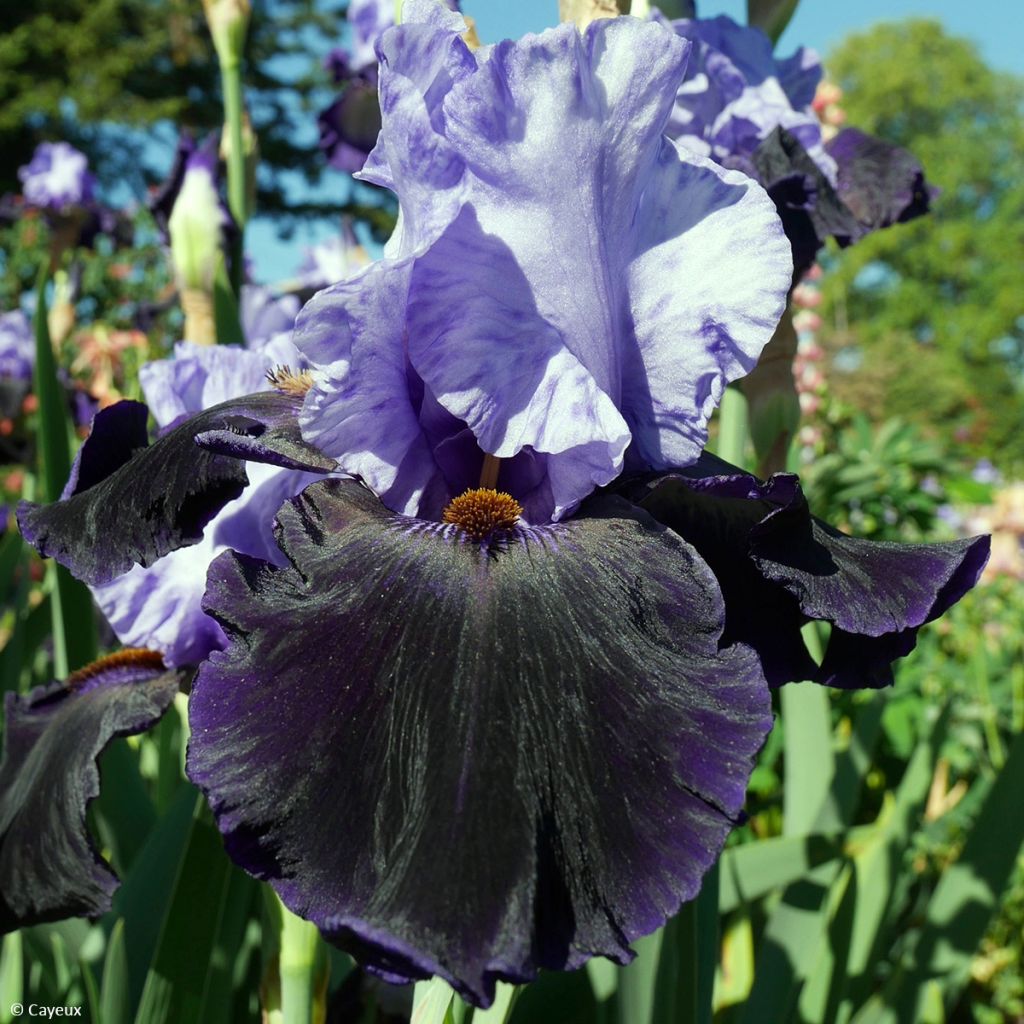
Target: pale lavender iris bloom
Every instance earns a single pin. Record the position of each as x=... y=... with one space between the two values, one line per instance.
x=609 y=284
x=736 y=93
x=57 y=178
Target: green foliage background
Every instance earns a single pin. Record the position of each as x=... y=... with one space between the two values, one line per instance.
x=931 y=312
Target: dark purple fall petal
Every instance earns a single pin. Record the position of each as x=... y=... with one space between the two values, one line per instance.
x=129 y=505
x=49 y=867
x=810 y=209
x=779 y=567
x=882 y=184
x=482 y=759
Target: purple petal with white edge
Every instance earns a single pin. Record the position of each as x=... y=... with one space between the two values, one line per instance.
x=566 y=681
x=161 y=498
x=778 y=567
x=882 y=184
x=49 y=867
x=479 y=344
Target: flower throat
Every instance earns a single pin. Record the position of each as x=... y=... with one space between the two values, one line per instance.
x=480 y=511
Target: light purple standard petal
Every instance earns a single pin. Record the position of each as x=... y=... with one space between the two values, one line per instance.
x=57 y=177
x=568 y=272
x=265 y=315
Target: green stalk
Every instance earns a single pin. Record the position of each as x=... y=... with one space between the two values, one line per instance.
x=74 y=629
x=996 y=753
x=733 y=428
x=231 y=82
x=302 y=966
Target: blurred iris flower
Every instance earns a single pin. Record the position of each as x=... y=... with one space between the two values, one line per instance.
x=749 y=110
x=530 y=599
x=57 y=178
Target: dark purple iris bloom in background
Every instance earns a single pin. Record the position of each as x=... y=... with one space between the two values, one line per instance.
x=747 y=109
x=586 y=658
x=349 y=126
x=57 y=178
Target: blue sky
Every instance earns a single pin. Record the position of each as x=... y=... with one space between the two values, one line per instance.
x=997 y=26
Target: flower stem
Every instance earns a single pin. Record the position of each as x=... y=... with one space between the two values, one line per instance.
x=732 y=428
x=234 y=118
x=295 y=980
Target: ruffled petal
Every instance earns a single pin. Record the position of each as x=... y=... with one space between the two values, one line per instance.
x=157 y=499
x=707 y=285
x=882 y=184
x=473 y=324
x=363 y=406
x=565 y=682
x=49 y=867
x=779 y=567
x=619 y=259
x=810 y=208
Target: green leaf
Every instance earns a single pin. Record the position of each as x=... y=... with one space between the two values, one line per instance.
x=123 y=812
x=226 y=318
x=865 y=898
x=963 y=903
x=146 y=889
x=797 y=928
x=432 y=1002
x=690 y=951
x=500 y=1010
x=176 y=984
x=296 y=964
x=11 y=973
x=115 y=996
x=92 y=996
x=771 y=16
x=754 y=869
x=637 y=981
x=810 y=765
x=74 y=623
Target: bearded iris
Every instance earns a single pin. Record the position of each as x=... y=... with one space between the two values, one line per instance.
x=575 y=649
x=745 y=108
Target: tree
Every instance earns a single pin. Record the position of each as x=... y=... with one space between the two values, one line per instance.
x=95 y=72
x=931 y=310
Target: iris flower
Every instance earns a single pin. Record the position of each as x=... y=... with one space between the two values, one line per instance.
x=17 y=360
x=495 y=706
x=57 y=178
x=747 y=109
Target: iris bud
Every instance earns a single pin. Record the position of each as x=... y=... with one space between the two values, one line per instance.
x=228 y=21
